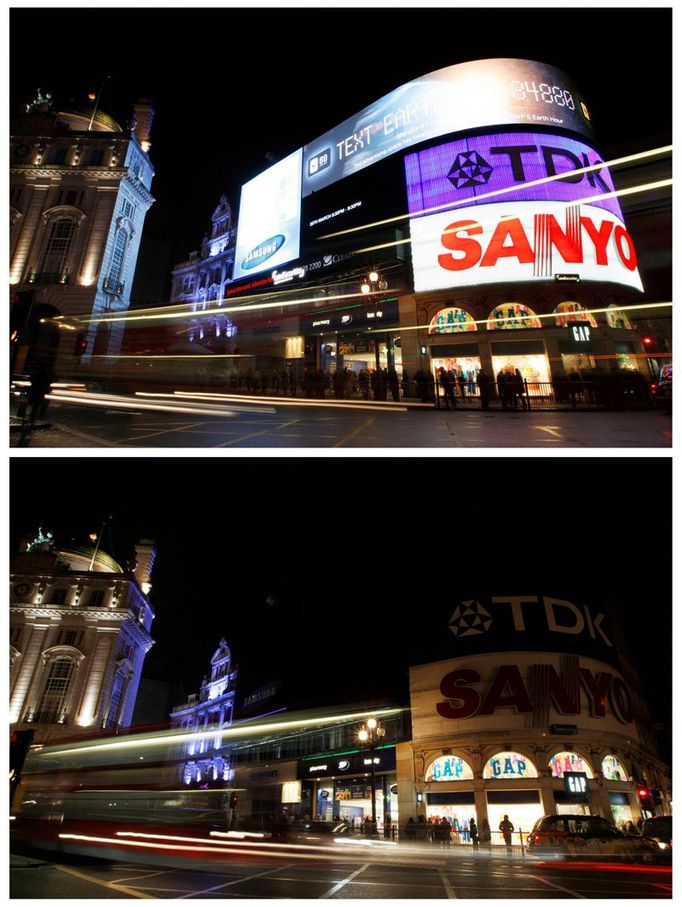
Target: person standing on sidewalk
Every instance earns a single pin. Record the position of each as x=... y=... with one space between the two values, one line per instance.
x=507 y=828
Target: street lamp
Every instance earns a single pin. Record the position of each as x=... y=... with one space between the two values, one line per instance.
x=374 y=283
x=369 y=734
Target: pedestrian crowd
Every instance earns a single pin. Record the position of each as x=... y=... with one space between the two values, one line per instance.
x=444 y=831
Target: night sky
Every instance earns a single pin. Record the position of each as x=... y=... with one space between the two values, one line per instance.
x=333 y=570
x=238 y=88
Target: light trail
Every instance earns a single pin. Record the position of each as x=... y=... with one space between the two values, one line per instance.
x=389 y=405
x=242 y=732
x=642 y=155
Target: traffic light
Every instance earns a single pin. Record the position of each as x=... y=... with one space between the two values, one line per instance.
x=648 y=341
x=646 y=801
x=233 y=801
x=81 y=345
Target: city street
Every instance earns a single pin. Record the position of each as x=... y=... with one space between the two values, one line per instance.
x=295 y=425
x=431 y=876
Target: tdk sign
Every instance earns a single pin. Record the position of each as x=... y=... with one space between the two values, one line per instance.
x=514 y=167
x=320 y=161
x=262 y=252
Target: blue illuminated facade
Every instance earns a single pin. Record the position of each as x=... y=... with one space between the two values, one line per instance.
x=205 y=763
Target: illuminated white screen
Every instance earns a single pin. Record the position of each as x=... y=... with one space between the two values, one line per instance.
x=269 y=218
x=516 y=242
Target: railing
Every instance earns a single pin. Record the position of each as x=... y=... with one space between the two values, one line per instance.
x=610 y=391
x=433 y=835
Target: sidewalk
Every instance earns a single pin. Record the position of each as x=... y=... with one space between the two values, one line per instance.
x=44 y=434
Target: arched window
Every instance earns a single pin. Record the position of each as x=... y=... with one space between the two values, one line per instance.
x=570 y=312
x=511 y=316
x=616 y=318
x=113 y=716
x=449 y=768
x=51 y=708
x=118 y=257
x=612 y=769
x=451 y=321
x=569 y=762
x=53 y=264
x=509 y=765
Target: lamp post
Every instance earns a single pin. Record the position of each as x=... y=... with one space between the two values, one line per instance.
x=374 y=283
x=369 y=734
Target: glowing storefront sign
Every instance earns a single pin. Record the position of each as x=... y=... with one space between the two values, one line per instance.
x=512 y=315
x=521 y=242
x=268 y=234
x=569 y=762
x=469 y=95
x=570 y=312
x=509 y=765
x=449 y=768
x=451 y=321
x=612 y=769
x=485 y=169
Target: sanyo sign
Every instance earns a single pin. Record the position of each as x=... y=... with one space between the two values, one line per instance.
x=521 y=241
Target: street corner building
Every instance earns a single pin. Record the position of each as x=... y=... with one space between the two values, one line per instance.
x=79 y=192
x=466 y=221
x=79 y=632
x=539 y=712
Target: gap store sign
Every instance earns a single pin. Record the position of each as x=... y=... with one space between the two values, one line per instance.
x=515 y=207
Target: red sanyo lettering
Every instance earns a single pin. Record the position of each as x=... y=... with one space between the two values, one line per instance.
x=508 y=690
x=452 y=686
x=509 y=240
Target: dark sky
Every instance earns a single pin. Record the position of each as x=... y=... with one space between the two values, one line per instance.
x=232 y=85
x=359 y=555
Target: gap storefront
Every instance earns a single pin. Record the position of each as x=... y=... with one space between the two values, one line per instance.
x=530 y=732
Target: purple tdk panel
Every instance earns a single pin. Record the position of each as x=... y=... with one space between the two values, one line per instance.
x=466 y=171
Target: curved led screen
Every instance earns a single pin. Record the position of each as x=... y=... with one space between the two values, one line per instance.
x=507 y=166
x=469 y=95
x=515 y=242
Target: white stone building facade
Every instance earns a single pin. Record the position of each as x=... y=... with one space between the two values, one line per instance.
x=79 y=633
x=79 y=192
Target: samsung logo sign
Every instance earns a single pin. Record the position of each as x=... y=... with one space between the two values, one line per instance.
x=263 y=251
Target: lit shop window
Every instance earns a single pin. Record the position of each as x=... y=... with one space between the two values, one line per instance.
x=450 y=321
x=615 y=318
x=449 y=768
x=569 y=762
x=612 y=769
x=511 y=316
x=509 y=765
x=568 y=312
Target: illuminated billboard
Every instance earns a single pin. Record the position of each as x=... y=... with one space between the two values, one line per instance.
x=514 y=242
x=269 y=218
x=470 y=95
x=514 y=166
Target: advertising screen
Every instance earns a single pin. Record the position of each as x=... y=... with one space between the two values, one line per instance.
x=513 y=166
x=465 y=96
x=269 y=218
x=517 y=242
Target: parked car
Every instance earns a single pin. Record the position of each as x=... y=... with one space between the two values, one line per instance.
x=663 y=388
x=660 y=830
x=579 y=835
